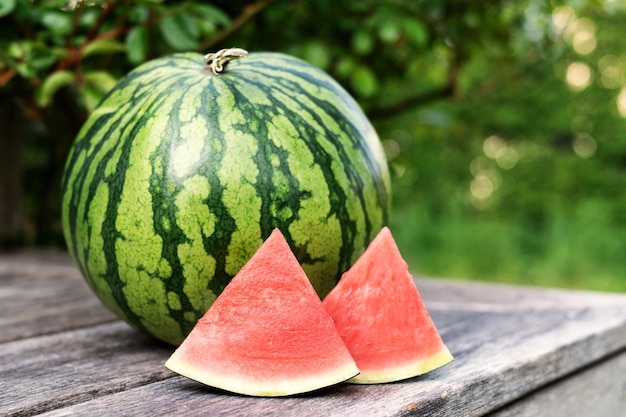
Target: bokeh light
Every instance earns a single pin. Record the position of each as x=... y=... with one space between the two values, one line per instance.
x=507 y=157
x=621 y=102
x=584 y=146
x=611 y=74
x=481 y=187
x=492 y=145
x=578 y=76
x=562 y=17
x=497 y=149
x=581 y=34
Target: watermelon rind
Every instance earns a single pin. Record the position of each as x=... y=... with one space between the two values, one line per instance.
x=411 y=370
x=263 y=387
x=267 y=334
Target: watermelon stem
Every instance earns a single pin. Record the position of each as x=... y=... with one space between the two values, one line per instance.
x=217 y=61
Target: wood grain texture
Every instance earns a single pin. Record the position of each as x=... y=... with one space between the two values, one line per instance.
x=44 y=297
x=510 y=344
x=598 y=390
x=52 y=371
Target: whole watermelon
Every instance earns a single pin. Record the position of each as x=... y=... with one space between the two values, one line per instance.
x=181 y=173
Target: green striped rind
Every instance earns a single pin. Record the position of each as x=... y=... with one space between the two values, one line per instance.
x=179 y=175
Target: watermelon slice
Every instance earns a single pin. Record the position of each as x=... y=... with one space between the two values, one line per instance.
x=381 y=317
x=267 y=334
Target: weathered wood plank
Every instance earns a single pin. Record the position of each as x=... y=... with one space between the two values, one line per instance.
x=481 y=379
x=179 y=396
x=44 y=297
x=598 y=390
x=504 y=350
x=53 y=371
x=508 y=342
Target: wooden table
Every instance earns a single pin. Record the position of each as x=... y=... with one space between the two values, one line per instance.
x=519 y=352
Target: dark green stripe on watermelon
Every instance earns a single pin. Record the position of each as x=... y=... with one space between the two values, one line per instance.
x=179 y=175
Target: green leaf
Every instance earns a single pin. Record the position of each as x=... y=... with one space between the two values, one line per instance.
x=25 y=70
x=364 y=81
x=139 y=13
x=344 y=66
x=211 y=13
x=317 y=54
x=91 y=97
x=101 y=47
x=137 y=45
x=6 y=7
x=190 y=23
x=388 y=32
x=178 y=32
x=95 y=86
x=362 y=43
x=102 y=81
x=20 y=49
x=416 y=32
x=206 y=27
x=51 y=85
x=44 y=56
x=208 y=18
x=57 y=21
x=89 y=16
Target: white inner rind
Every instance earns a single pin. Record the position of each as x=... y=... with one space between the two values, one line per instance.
x=279 y=386
x=409 y=370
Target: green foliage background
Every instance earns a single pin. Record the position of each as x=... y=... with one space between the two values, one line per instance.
x=501 y=120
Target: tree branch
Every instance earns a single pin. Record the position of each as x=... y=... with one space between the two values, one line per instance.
x=447 y=90
x=74 y=57
x=435 y=94
x=107 y=8
x=249 y=11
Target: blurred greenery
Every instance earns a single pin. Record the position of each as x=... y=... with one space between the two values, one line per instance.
x=503 y=121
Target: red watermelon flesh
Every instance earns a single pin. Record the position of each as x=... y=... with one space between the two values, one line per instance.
x=381 y=317
x=267 y=334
